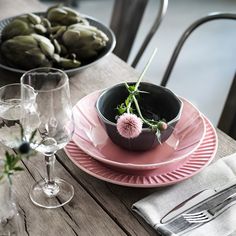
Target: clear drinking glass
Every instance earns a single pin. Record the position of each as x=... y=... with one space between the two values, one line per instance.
x=50 y=114
x=10 y=219
x=10 y=136
x=10 y=99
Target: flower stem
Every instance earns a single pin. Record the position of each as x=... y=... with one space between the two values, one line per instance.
x=145 y=69
x=140 y=113
x=130 y=103
x=128 y=107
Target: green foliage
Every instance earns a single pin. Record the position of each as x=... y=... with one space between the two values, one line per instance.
x=121 y=109
x=11 y=161
x=11 y=165
x=131 y=105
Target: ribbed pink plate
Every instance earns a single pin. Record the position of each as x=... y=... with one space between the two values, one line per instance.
x=190 y=166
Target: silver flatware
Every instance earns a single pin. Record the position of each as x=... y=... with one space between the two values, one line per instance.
x=209 y=197
x=187 y=204
x=174 y=221
x=209 y=214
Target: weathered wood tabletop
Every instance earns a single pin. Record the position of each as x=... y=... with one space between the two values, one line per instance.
x=98 y=207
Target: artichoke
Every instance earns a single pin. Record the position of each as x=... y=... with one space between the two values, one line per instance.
x=63 y=39
x=28 y=51
x=67 y=63
x=84 y=40
x=24 y=25
x=59 y=15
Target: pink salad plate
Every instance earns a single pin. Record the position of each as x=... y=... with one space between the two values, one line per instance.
x=190 y=165
x=91 y=137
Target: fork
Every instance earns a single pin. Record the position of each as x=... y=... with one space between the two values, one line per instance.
x=209 y=214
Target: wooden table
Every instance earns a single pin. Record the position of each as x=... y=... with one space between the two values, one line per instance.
x=98 y=207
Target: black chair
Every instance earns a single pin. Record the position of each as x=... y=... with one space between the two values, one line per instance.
x=227 y=121
x=126 y=18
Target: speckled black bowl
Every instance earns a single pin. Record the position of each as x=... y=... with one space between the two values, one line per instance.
x=158 y=103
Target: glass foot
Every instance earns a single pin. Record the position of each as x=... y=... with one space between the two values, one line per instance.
x=40 y=197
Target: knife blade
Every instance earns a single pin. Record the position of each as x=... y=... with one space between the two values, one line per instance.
x=187 y=204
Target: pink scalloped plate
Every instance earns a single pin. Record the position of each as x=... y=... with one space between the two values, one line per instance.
x=191 y=165
x=91 y=137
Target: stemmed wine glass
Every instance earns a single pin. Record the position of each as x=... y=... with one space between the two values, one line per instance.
x=50 y=114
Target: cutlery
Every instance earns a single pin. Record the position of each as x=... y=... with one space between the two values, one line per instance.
x=187 y=204
x=174 y=221
x=209 y=214
x=209 y=197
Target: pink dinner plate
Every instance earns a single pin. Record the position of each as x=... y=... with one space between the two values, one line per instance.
x=92 y=138
x=190 y=166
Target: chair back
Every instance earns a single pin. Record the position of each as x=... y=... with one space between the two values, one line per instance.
x=126 y=19
x=227 y=121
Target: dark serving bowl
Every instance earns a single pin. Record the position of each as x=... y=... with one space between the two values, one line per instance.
x=158 y=103
x=106 y=51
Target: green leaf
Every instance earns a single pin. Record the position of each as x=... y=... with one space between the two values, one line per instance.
x=8 y=158
x=21 y=132
x=121 y=109
x=18 y=168
x=132 y=111
x=15 y=160
x=1 y=177
x=132 y=88
x=11 y=160
x=32 y=136
x=128 y=100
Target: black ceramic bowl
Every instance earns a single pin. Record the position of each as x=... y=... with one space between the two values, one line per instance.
x=158 y=103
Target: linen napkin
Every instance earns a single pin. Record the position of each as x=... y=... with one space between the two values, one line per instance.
x=219 y=174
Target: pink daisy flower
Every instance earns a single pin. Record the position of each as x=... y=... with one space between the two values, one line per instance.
x=129 y=125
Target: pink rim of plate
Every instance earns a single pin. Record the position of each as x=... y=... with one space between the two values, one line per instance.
x=111 y=154
x=192 y=165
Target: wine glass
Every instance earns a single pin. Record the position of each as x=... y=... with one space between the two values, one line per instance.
x=51 y=115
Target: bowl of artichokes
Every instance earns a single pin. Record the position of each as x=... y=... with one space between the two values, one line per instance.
x=60 y=38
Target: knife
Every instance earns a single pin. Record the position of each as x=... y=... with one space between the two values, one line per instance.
x=197 y=199
x=187 y=204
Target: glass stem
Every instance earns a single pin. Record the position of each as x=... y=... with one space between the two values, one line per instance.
x=50 y=161
x=50 y=188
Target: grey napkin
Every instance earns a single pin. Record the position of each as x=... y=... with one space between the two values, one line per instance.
x=157 y=205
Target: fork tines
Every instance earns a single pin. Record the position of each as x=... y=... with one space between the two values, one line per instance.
x=198 y=217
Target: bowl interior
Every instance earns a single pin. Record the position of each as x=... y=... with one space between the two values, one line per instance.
x=158 y=103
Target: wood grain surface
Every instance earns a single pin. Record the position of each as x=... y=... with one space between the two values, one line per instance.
x=98 y=207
